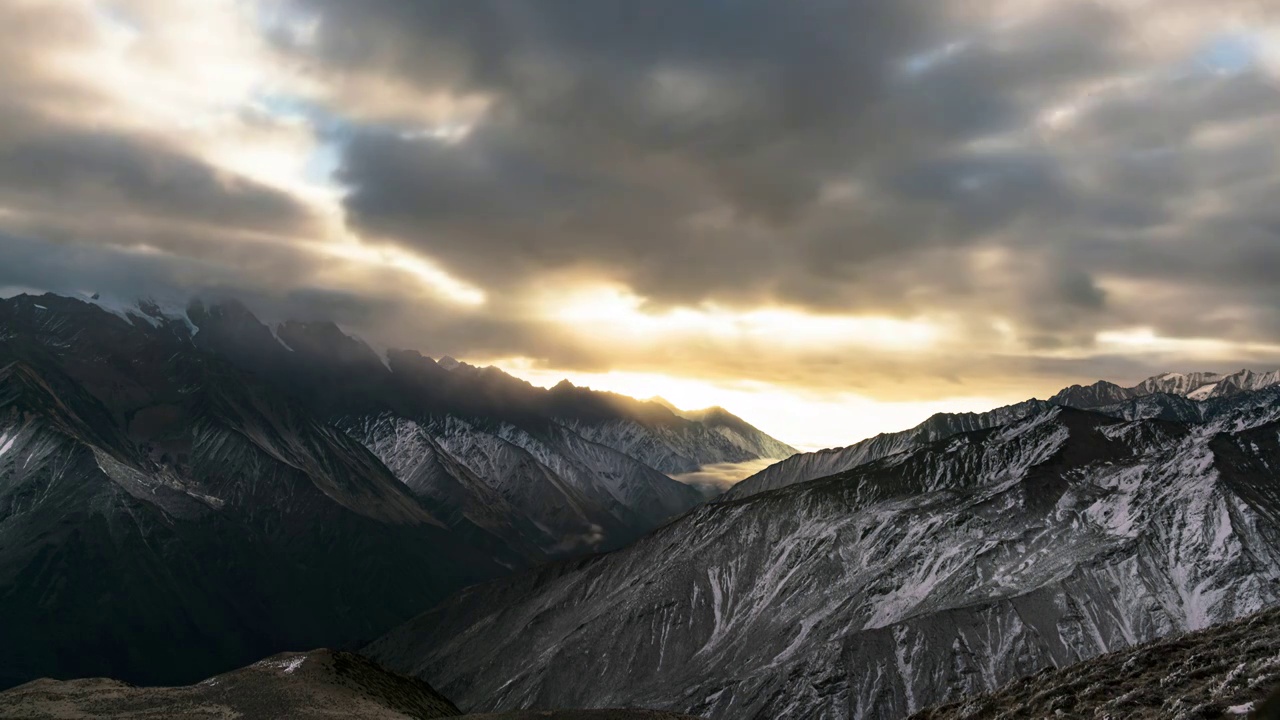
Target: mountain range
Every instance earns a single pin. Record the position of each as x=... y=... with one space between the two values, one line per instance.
x=185 y=491
x=1171 y=395
x=941 y=570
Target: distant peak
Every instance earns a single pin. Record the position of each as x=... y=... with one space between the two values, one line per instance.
x=1193 y=385
x=659 y=400
x=146 y=309
x=448 y=363
x=714 y=415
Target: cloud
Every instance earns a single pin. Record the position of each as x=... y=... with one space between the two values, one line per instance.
x=1020 y=178
x=719 y=477
x=112 y=178
x=757 y=153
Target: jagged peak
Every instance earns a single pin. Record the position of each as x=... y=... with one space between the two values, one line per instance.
x=1198 y=386
x=145 y=310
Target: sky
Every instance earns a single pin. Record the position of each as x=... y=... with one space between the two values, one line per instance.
x=833 y=218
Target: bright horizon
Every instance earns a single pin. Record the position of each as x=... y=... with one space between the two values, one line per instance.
x=804 y=422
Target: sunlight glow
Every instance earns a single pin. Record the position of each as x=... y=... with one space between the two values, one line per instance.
x=616 y=313
x=806 y=420
x=442 y=283
x=187 y=73
x=1145 y=340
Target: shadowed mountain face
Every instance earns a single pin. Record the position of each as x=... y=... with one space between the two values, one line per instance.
x=164 y=516
x=925 y=576
x=576 y=469
x=183 y=493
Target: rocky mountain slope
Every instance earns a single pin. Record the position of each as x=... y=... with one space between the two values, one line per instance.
x=1171 y=395
x=317 y=684
x=163 y=516
x=495 y=428
x=809 y=466
x=584 y=469
x=1226 y=671
x=923 y=577
x=184 y=491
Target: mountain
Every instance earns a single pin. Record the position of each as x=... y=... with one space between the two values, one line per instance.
x=1171 y=396
x=164 y=516
x=183 y=490
x=1228 y=670
x=673 y=441
x=932 y=574
x=809 y=466
x=1096 y=395
x=316 y=684
x=580 y=469
x=1194 y=386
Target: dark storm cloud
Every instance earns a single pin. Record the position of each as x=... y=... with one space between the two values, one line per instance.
x=72 y=268
x=1056 y=167
x=622 y=122
x=698 y=151
x=83 y=176
x=105 y=177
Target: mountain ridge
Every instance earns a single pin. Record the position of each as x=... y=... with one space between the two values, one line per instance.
x=181 y=524
x=917 y=578
x=203 y=489
x=1199 y=386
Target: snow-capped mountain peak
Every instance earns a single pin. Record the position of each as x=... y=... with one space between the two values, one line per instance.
x=1193 y=385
